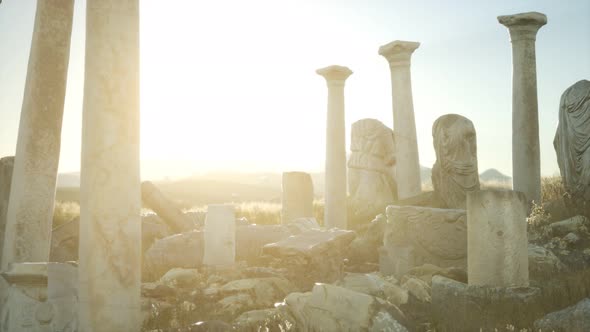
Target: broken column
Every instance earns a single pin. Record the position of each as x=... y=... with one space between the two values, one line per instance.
x=497 y=245
x=297 y=199
x=335 y=213
x=220 y=235
x=399 y=54
x=526 y=167
x=32 y=194
x=110 y=194
x=165 y=208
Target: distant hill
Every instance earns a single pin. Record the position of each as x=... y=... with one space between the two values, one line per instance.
x=493 y=175
x=68 y=180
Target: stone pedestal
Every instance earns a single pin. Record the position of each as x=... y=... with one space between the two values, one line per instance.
x=165 y=208
x=335 y=210
x=220 y=235
x=32 y=194
x=526 y=167
x=110 y=194
x=41 y=297
x=297 y=196
x=398 y=54
x=497 y=246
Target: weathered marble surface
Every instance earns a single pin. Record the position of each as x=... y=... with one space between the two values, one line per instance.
x=455 y=171
x=220 y=235
x=297 y=196
x=110 y=193
x=6 y=166
x=335 y=212
x=497 y=238
x=398 y=54
x=165 y=208
x=371 y=169
x=526 y=167
x=30 y=210
x=418 y=235
x=42 y=297
x=572 y=144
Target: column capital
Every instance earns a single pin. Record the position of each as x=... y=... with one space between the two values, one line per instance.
x=398 y=52
x=334 y=74
x=523 y=26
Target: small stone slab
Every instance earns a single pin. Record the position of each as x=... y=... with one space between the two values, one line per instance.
x=310 y=243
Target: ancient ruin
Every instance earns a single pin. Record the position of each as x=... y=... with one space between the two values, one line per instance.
x=371 y=169
x=335 y=214
x=297 y=196
x=526 y=166
x=454 y=173
x=572 y=145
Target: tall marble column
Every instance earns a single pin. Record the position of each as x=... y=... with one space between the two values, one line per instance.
x=110 y=194
x=399 y=54
x=32 y=194
x=526 y=167
x=335 y=192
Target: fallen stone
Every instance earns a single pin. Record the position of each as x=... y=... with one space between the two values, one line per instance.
x=312 y=256
x=543 y=263
x=181 y=278
x=156 y=290
x=262 y=320
x=427 y=271
x=264 y=292
x=374 y=285
x=571 y=239
x=333 y=308
x=572 y=319
x=570 y=225
x=365 y=247
x=419 y=288
x=459 y=307
x=176 y=251
x=165 y=208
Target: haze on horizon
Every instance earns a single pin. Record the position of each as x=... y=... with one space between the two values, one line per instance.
x=232 y=85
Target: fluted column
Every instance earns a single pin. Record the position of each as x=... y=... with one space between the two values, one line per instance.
x=526 y=166
x=32 y=194
x=110 y=195
x=335 y=193
x=399 y=54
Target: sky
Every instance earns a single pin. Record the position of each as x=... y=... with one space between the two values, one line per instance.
x=231 y=85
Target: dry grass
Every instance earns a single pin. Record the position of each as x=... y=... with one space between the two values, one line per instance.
x=551 y=188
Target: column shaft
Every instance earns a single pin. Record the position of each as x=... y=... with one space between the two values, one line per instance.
x=30 y=209
x=110 y=195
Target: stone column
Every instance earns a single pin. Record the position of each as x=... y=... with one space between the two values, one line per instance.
x=335 y=214
x=526 y=167
x=399 y=54
x=32 y=194
x=220 y=235
x=297 y=200
x=110 y=194
x=497 y=245
x=165 y=208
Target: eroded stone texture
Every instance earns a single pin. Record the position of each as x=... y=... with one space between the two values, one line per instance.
x=42 y=297
x=418 y=235
x=526 y=167
x=220 y=235
x=459 y=307
x=572 y=319
x=497 y=238
x=398 y=54
x=6 y=165
x=312 y=256
x=297 y=199
x=572 y=144
x=110 y=192
x=32 y=193
x=371 y=172
x=165 y=208
x=455 y=171
x=332 y=308
x=335 y=212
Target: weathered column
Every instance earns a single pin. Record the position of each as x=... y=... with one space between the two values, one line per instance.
x=297 y=198
x=110 y=194
x=32 y=194
x=165 y=208
x=497 y=245
x=220 y=235
x=526 y=167
x=335 y=193
x=399 y=54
